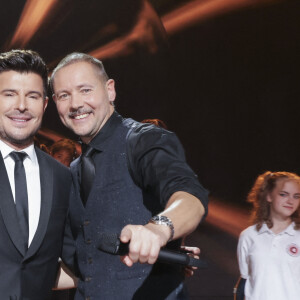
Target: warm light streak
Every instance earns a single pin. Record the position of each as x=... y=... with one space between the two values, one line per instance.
x=33 y=15
x=227 y=217
x=188 y=15
x=116 y=48
x=199 y=10
x=54 y=137
x=50 y=135
x=145 y=33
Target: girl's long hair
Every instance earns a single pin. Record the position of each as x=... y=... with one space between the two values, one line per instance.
x=264 y=185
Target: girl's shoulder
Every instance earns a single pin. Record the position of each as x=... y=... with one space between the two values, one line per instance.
x=249 y=231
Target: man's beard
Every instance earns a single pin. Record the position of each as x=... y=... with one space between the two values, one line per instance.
x=26 y=141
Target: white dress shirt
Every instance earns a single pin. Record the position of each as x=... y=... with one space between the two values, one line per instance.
x=33 y=183
x=271 y=263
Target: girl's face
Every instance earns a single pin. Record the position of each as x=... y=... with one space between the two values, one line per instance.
x=284 y=199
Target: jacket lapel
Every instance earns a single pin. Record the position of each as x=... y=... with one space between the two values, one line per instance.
x=8 y=209
x=46 y=179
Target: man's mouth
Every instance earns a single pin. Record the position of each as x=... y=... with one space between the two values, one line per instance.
x=79 y=117
x=20 y=119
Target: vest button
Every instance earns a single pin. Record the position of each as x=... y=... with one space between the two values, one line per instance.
x=86 y=222
x=87 y=279
x=88 y=241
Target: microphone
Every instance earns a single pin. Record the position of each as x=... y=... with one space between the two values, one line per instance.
x=110 y=243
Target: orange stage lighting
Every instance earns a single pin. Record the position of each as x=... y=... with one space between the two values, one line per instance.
x=199 y=10
x=227 y=217
x=185 y=16
x=33 y=15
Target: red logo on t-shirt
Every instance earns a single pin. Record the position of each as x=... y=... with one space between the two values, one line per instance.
x=293 y=250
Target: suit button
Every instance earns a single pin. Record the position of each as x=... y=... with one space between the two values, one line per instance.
x=86 y=222
x=87 y=279
x=87 y=298
x=90 y=260
x=88 y=241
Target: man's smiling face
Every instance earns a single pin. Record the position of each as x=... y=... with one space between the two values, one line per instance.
x=22 y=106
x=83 y=99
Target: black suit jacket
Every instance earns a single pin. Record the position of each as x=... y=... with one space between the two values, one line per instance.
x=31 y=275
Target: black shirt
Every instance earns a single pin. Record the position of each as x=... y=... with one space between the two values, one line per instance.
x=156 y=160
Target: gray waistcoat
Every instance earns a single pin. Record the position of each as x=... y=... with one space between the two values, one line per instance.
x=115 y=201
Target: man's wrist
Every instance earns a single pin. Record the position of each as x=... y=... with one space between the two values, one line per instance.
x=165 y=221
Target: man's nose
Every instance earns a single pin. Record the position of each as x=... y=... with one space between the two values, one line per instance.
x=76 y=101
x=21 y=104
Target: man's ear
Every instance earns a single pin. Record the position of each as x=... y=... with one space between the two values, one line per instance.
x=110 y=87
x=46 y=103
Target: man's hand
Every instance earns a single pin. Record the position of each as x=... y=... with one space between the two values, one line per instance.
x=194 y=252
x=145 y=242
x=65 y=279
x=185 y=211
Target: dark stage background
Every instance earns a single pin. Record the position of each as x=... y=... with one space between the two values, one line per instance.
x=224 y=75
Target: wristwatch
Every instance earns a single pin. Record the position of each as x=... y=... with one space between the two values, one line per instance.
x=163 y=220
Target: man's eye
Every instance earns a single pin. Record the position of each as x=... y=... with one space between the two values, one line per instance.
x=63 y=96
x=34 y=97
x=8 y=94
x=85 y=91
x=282 y=194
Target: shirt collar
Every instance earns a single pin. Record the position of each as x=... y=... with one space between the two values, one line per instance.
x=5 y=150
x=264 y=228
x=290 y=230
x=106 y=131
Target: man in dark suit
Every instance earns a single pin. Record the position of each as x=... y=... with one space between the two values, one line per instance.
x=139 y=186
x=34 y=188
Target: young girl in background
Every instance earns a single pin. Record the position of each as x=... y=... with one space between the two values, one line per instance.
x=269 y=250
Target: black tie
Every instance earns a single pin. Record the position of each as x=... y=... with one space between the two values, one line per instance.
x=87 y=171
x=21 y=197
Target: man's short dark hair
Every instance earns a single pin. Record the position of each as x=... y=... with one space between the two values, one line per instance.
x=79 y=57
x=25 y=61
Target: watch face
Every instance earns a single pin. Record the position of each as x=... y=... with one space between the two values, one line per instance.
x=163 y=220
